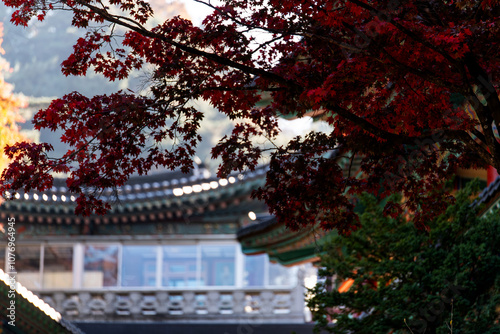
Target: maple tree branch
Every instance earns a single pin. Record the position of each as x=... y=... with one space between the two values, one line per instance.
x=485 y=116
x=277 y=31
x=413 y=90
x=280 y=32
x=266 y=43
x=191 y=50
x=333 y=41
x=351 y=162
x=486 y=87
x=240 y=22
x=426 y=75
x=250 y=88
x=437 y=136
x=479 y=135
x=404 y=30
x=481 y=149
x=374 y=130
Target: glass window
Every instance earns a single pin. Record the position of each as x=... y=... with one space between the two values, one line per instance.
x=58 y=267
x=100 y=266
x=27 y=264
x=179 y=266
x=138 y=266
x=282 y=276
x=254 y=270
x=217 y=265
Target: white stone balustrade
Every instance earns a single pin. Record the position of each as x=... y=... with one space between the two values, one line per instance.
x=267 y=306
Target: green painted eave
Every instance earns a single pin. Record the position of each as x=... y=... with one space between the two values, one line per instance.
x=295 y=256
x=283 y=245
x=28 y=318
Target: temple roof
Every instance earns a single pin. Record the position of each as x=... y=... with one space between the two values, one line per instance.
x=159 y=197
x=282 y=245
x=489 y=196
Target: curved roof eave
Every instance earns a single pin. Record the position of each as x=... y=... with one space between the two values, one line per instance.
x=165 y=194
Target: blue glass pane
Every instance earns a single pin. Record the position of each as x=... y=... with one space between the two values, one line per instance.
x=254 y=270
x=179 y=266
x=218 y=264
x=282 y=276
x=138 y=266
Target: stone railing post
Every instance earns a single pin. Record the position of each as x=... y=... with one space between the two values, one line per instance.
x=238 y=302
x=213 y=300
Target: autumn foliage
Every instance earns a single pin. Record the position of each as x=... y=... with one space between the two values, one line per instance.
x=411 y=87
x=9 y=112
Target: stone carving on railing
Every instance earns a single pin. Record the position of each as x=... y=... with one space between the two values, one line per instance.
x=277 y=305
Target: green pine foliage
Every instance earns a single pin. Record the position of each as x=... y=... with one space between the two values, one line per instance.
x=444 y=280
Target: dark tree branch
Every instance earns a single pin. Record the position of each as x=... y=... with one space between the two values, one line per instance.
x=405 y=30
x=191 y=50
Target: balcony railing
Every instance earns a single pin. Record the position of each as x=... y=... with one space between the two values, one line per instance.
x=277 y=305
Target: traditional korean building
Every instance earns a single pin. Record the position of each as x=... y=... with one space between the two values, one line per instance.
x=167 y=253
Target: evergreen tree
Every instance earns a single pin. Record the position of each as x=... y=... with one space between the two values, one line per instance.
x=443 y=280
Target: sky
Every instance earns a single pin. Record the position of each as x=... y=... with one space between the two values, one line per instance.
x=196 y=10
